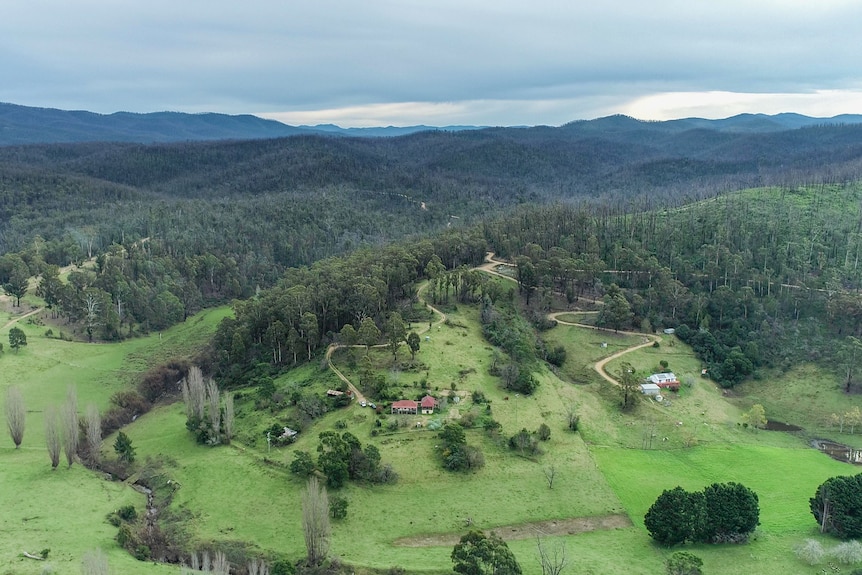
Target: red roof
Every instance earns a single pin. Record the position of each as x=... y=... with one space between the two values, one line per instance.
x=405 y=404
x=428 y=402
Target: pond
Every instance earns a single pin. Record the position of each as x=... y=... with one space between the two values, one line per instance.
x=838 y=451
x=781 y=426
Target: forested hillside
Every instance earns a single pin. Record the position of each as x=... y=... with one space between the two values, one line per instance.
x=178 y=227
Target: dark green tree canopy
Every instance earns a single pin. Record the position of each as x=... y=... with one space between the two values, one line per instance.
x=477 y=554
x=721 y=513
x=675 y=516
x=732 y=513
x=123 y=448
x=837 y=506
x=17 y=338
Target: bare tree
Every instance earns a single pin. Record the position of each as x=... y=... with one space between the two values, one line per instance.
x=71 y=433
x=52 y=435
x=95 y=562
x=15 y=414
x=91 y=317
x=553 y=560
x=257 y=567
x=194 y=393
x=220 y=564
x=93 y=428
x=550 y=474
x=214 y=409
x=228 y=416
x=315 y=521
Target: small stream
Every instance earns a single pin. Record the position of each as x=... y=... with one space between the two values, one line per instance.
x=152 y=510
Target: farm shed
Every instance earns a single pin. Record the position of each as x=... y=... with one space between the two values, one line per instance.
x=650 y=389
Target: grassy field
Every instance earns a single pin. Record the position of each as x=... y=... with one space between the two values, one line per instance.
x=64 y=510
x=617 y=464
x=784 y=479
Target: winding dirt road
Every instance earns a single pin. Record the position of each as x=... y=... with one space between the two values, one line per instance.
x=15 y=320
x=489 y=267
x=491 y=263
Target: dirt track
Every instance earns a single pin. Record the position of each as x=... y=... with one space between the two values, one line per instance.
x=570 y=526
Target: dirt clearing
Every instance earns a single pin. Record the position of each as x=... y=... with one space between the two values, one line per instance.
x=571 y=526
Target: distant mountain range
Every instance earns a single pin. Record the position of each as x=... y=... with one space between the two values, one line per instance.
x=28 y=125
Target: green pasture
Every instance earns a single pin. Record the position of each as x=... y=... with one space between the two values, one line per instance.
x=805 y=396
x=582 y=317
x=64 y=510
x=617 y=463
x=584 y=347
x=784 y=479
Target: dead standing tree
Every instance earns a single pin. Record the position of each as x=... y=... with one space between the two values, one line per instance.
x=15 y=414
x=315 y=522
x=52 y=436
x=552 y=560
x=71 y=432
x=93 y=430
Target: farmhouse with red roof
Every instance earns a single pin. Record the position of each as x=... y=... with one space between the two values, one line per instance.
x=665 y=381
x=405 y=407
x=428 y=404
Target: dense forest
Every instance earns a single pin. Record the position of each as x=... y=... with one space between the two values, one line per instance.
x=313 y=233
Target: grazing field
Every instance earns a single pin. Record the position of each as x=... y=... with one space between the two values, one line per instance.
x=64 y=510
x=805 y=396
x=605 y=476
x=784 y=479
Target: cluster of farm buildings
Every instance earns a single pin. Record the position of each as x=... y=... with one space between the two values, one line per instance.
x=654 y=384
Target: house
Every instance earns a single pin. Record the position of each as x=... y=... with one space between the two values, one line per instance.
x=428 y=404
x=650 y=389
x=665 y=381
x=405 y=407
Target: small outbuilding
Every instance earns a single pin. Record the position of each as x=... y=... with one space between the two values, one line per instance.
x=650 y=389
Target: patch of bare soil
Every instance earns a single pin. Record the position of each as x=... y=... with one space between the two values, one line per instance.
x=571 y=526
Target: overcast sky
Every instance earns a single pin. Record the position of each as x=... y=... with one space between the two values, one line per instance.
x=441 y=62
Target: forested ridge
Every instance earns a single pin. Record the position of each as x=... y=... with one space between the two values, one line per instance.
x=645 y=207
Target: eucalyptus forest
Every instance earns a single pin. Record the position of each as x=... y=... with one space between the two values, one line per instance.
x=318 y=268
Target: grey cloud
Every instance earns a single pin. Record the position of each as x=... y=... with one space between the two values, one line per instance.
x=239 y=57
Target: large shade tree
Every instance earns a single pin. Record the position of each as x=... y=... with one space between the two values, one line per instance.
x=478 y=554
x=837 y=506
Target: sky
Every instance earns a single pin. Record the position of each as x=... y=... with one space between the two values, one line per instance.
x=359 y=63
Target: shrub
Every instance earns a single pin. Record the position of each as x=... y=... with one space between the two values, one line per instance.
x=848 y=553
x=684 y=563
x=524 y=442
x=810 y=551
x=557 y=356
x=544 y=432
x=338 y=507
